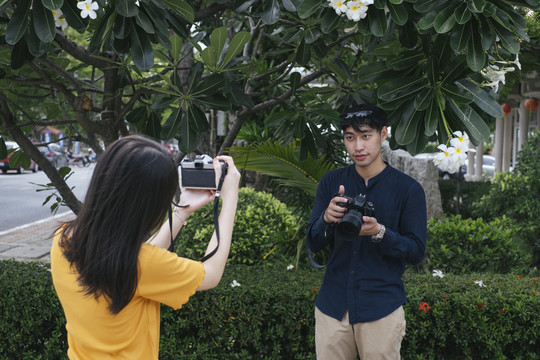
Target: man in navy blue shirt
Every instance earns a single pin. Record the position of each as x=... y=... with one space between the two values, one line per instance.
x=359 y=308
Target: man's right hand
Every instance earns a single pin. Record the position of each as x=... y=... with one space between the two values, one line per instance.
x=335 y=212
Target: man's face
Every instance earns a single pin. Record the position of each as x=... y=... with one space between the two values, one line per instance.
x=364 y=146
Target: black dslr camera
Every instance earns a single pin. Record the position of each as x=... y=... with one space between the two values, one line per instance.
x=199 y=173
x=351 y=222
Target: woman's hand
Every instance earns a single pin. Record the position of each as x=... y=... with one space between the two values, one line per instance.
x=194 y=199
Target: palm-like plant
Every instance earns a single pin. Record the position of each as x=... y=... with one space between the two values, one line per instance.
x=280 y=161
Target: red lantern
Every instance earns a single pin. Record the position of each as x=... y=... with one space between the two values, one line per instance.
x=531 y=104
x=506 y=109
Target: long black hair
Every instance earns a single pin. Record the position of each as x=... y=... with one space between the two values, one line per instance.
x=130 y=192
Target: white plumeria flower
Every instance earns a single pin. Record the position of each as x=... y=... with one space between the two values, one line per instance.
x=137 y=3
x=59 y=21
x=88 y=8
x=290 y=267
x=446 y=159
x=480 y=283
x=461 y=140
x=339 y=6
x=438 y=273
x=356 y=10
x=235 y=283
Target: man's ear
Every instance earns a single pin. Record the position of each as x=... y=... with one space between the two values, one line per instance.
x=384 y=133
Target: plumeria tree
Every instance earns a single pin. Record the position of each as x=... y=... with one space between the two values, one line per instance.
x=167 y=67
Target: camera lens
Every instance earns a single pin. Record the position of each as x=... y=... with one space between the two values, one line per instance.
x=350 y=223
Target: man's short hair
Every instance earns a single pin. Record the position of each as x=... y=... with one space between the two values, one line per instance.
x=363 y=114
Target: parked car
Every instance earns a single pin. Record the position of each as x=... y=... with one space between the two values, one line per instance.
x=4 y=164
x=55 y=154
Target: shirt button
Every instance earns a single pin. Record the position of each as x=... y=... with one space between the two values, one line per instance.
x=352 y=272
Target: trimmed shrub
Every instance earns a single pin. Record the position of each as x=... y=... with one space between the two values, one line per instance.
x=32 y=324
x=270 y=316
x=517 y=196
x=463 y=246
x=262 y=224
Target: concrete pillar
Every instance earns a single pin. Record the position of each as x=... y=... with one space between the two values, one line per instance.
x=469 y=176
x=524 y=116
x=498 y=144
x=478 y=172
x=507 y=140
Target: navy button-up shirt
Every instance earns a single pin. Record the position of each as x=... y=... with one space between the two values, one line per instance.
x=366 y=277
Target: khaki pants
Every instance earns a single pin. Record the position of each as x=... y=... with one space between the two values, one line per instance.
x=376 y=340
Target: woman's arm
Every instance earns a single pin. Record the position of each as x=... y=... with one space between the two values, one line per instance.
x=215 y=265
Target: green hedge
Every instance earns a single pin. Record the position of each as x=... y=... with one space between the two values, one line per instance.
x=471 y=192
x=463 y=246
x=270 y=316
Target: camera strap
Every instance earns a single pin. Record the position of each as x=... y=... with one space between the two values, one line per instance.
x=338 y=243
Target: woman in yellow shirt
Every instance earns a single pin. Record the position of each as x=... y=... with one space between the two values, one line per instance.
x=111 y=274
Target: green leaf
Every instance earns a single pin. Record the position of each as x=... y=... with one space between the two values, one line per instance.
x=423 y=99
x=476 y=57
x=462 y=14
x=271 y=12
x=218 y=38
x=308 y=8
x=138 y=116
x=188 y=136
x=457 y=94
x=427 y=21
x=20 y=54
x=172 y=125
x=127 y=8
x=35 y=46
x=398 y=12
x=238 y=98
x=445 y=20
x=377 y=21
x=431 y=118
x=373 y=72
x=312 y=34
x=459 y=38
x=216 y=102
x=408 y=59
x=389 y=90
x=407 y=128
x=295 y=80
x=235 y=47
x=303 y=53
x=197 y=118
x=121 y=27
x=52 y=4
x=330 y=21
x=475 y=126
x=145 y=23
x=210 y=85
x=141 y=49
x=482 y=99
x=182 y=8
x=176 y=48
x=153 y=126
x=18 y=23
x=210 y=56
x=507 y=38
x=476 y=6
x=194 y=75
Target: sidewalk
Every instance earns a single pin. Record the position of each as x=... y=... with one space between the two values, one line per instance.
x=31 y=242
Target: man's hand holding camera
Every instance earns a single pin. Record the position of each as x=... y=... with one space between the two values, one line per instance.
x=360 y=221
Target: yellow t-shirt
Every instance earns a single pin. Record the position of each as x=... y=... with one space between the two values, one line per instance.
x=95 y=333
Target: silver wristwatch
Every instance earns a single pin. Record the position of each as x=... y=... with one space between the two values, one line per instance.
x=379 y=236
